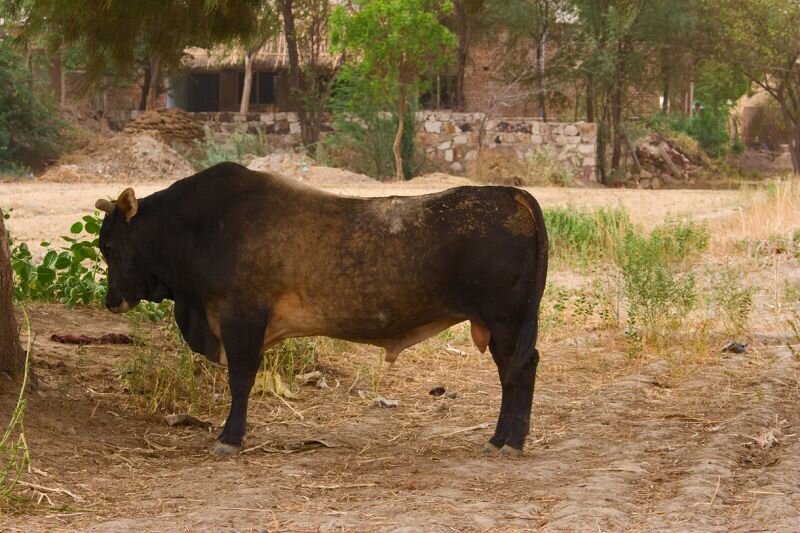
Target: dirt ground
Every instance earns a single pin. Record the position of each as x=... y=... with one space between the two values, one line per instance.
x=617 y=443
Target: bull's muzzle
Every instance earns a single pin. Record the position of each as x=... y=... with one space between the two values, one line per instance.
x=121 y=308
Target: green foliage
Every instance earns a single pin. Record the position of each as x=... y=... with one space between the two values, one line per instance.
x=708 y=127
x=397 y=43
x=30 y=129
x=73 y=275
x=579 y=236
x=364 y=133
x=112 y=36
x=731 y=299
x=659 y=289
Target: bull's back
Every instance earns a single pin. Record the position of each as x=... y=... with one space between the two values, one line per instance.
x=387 y=265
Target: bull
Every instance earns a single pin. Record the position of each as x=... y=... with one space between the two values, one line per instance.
x=251 y=258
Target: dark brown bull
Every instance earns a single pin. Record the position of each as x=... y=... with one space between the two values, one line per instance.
x=252 y=258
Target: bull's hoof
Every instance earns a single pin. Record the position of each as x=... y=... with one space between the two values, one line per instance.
x=508 y=451
x=222 y=450
x=490 y=449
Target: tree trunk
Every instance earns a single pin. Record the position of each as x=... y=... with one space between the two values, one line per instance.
x=616 y=107
x=12 y=358
x=541 y=50
x=398 y=139
x=795 y=146
x=462 y=55
x=145 y=89
x=309 y=131
x=248 y=80
x=155 y=80
x=589 y=98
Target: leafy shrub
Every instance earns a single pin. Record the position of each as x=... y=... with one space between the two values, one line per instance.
x=74 y=275
x=659 y=289
x=363 y=138
x=730 y=299
x=30 y=129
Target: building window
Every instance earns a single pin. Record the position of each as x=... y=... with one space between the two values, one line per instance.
x=263 y=89
x=440 y=93
x=203 y=91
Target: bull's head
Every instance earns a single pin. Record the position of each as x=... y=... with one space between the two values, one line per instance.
x=128 y=282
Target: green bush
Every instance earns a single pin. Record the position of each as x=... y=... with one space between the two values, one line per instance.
x=658 y=286
x=363 y=138
x=73 y=275
x=730 y=299
x=30 y=129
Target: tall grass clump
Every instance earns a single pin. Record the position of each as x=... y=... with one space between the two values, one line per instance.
x=166 y=375
x=579 y=236
x=14 y=457
x=658 y=283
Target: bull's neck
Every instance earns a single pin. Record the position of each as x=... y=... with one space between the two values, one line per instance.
x=164 y=248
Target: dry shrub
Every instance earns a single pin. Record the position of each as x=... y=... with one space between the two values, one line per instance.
x=770 y=211
x=503 y=166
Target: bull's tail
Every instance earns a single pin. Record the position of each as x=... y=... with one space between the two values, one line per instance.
x=526 y=341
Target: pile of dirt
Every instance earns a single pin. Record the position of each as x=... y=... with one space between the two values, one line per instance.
x=173 y=126
x=660 y=161
x=305 y=169
x=126 y=158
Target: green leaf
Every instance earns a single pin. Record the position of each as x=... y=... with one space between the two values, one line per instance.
x=76 y=228
x=63 y=261
x=92 y=227
x=44 y=275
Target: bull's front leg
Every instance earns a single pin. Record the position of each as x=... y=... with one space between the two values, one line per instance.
x=242 y=340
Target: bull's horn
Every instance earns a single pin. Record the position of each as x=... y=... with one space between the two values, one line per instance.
x=104 y=205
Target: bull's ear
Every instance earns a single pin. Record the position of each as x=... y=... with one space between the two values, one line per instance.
x=127 y=204
x=104 y=205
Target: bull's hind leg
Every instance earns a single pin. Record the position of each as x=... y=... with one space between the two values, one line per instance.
x=513 y=423
x=242 y=340
x=501 y=345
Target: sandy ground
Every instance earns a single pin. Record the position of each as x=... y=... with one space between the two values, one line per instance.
x=618 y=443
x=43 y=211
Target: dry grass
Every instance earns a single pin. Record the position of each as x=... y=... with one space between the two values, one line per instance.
x=763 y=214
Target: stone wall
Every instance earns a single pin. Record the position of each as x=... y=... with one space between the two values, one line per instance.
x=451 y=140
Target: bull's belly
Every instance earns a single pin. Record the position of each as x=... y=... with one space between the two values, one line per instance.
x=390 y=330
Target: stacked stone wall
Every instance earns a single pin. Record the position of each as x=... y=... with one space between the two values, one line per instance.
x=452 y=141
